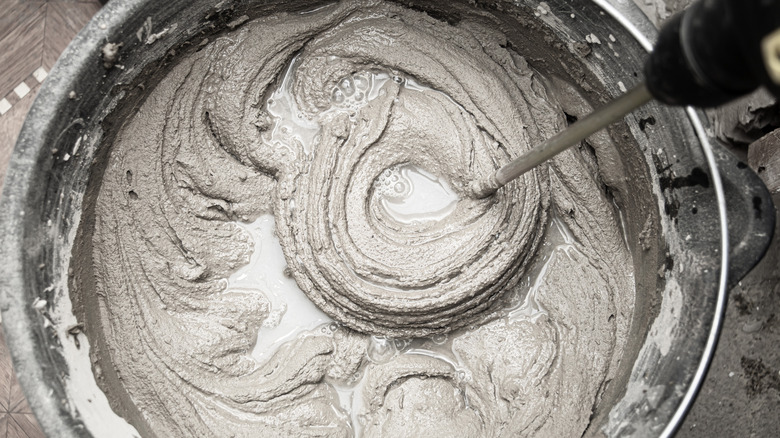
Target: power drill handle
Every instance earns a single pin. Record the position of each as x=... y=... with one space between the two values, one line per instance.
x=716 y=51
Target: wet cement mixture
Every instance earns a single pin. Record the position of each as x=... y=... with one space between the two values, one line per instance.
x=325 y=157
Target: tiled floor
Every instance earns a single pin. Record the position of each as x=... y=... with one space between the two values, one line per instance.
x=34 y=33
x=16 y=418
x=32 y=36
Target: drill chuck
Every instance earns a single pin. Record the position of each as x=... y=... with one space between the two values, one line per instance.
x=712 y=53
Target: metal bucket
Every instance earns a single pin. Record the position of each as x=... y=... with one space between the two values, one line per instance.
x=692 y=259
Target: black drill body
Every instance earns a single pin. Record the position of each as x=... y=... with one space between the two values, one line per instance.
x=711 y=53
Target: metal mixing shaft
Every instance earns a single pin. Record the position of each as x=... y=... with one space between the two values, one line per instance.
x=575 y=133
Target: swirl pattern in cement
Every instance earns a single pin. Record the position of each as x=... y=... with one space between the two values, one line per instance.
x=306 y=116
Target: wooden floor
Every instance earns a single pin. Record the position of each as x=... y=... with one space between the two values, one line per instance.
x=32 y=36
x=16 y=418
